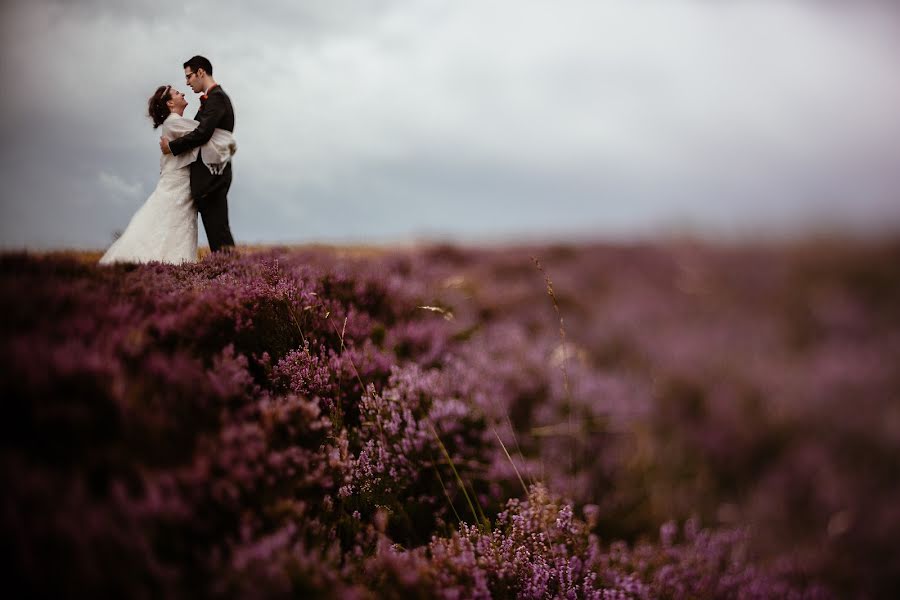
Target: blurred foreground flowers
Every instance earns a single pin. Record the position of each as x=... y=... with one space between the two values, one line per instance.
x=718 y=422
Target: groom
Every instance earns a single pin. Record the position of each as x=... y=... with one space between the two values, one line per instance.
x=210 y=192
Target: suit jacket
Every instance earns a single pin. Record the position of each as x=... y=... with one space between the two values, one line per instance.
x=216 y=112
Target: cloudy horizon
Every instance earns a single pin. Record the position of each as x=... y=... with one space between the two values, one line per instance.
x=398 y=120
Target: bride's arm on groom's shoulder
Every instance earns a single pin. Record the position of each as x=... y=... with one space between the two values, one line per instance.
x=215 y=109
x=173 y=129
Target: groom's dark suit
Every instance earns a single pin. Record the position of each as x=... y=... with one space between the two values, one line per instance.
x=210 y=192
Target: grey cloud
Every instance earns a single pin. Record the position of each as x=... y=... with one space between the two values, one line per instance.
x=362 y=121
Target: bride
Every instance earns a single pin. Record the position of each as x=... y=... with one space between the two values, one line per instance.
x=164 y=229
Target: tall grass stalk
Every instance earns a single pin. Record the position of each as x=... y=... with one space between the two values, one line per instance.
x=482 y=524
x=444 y=488
x=511 y=461
x=518 y=449
x=563 y=363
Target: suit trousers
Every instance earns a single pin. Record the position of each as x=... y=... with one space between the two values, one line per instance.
x=211 y=198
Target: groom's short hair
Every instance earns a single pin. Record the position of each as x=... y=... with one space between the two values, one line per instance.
x=199 y=62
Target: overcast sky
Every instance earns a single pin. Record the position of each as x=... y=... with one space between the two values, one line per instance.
x=391 y=120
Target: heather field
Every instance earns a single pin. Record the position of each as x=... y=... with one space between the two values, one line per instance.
x=657 y=420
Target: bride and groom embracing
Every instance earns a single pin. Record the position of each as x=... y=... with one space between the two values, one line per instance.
x=195 y=175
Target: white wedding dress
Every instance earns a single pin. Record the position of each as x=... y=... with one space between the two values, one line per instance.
x=164 y=228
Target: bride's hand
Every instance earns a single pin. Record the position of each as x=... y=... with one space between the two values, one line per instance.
x=164 y=145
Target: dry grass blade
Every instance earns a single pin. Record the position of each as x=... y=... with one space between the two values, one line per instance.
x=502 y=445
x=459 y=479
x=565 y=358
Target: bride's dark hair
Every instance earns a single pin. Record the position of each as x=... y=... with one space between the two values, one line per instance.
x=157 y=105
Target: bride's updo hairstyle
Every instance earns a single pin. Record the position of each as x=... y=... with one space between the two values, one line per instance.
x=157 y=105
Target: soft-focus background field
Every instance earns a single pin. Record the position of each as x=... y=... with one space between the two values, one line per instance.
x=709 y=421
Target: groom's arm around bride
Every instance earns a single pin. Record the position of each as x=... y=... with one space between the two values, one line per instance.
x=215 y=113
